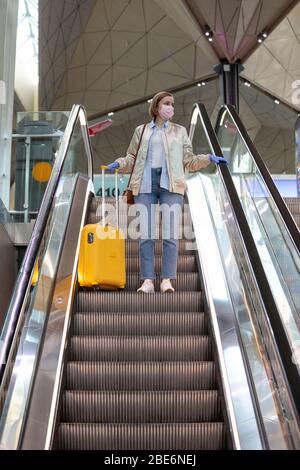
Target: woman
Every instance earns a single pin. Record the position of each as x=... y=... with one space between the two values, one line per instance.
x=165 y=152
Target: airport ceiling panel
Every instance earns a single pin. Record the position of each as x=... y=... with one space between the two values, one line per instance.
x=271 y=127
x=277 y=149
x=266 y=110
x=275 y=65
x=125 y=50
x=60 y=26
x=236 y=24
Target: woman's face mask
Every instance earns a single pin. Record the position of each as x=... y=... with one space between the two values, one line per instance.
x=166 y=112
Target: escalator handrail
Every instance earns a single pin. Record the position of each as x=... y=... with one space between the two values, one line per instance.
x=267 y=178
x=274 y=318
x=25 y=272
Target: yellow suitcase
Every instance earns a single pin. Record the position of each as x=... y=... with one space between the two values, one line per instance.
x=102 y=253
x=35 y=274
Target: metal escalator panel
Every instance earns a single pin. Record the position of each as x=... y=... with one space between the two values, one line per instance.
x=30 y=310
x=274 y=231
x=252 y=371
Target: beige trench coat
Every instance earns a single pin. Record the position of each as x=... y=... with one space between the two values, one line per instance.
x=179 y=152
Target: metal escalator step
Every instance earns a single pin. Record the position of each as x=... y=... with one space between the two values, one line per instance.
x=291 y=199
x=185 y=263
x=97 y=301
x=114 y=324
x=184 y=282
x=141 y=407
x=140 y=348
x=186 y=247
x=141 y=376
x=297 y=219
x=293 y=205
x=124 y=209
x=294 y=208
x=130 y=219
x=132 y=232
x=192 y=436
x=184 y=233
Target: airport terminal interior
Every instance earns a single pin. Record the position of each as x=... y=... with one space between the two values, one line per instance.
x=214 y=365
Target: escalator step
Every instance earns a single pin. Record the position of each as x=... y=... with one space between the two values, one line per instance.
x=185 y=263
x=126 y=213
x=114 y=324
x=184 y=282
x=185 y=234
x=297 y=219
x=140 y=348
x=131 y=221
x=192 y=436
x=97 y=301
x=293 y=206
x=141 y=376
x=186 y=247
x=141 y=407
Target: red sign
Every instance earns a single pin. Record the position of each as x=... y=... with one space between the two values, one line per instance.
x=99 y=127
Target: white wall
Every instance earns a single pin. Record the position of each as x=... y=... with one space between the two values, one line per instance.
x=25 y=87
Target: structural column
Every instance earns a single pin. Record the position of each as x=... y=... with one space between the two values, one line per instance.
x=8 y=40
x=229 y=82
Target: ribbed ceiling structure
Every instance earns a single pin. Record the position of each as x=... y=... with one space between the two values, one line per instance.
x=275 y=65
x=119 y=51
x=237 y=23
x=105 y=53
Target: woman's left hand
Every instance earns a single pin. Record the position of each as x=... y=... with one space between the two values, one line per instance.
x=217 y=160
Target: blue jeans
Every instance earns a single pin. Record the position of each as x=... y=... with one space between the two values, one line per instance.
x=171 y=213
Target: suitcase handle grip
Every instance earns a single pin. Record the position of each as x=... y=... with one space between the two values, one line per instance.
x=105 y=167
x=116 y=171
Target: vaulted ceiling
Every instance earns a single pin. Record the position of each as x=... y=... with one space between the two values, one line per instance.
x=237 y=23
x=275 y=65
x=106 y=53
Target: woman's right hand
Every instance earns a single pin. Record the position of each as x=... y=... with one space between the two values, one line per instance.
x=113 y=166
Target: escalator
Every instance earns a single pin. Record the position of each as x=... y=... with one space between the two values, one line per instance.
x=274 y=222
x=197 y=369
x=141 y=373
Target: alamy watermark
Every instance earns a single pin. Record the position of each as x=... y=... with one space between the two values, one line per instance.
x=296 y=353
x=138 y=221
x=296 y=93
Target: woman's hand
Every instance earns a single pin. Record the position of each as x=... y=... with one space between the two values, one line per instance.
x=113 y=166
x=217 y=160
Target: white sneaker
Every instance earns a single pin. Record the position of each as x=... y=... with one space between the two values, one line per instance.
x=166 y=286
x=147 y=287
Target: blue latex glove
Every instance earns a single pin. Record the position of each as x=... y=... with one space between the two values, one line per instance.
x=113 y=166
x=217 y=160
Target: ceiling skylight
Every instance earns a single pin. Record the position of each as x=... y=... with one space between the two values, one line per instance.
x=27 y=35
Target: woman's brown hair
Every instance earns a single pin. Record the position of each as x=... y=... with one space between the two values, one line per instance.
x=154 y=103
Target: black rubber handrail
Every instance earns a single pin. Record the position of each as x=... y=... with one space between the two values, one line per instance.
x=267 y=178
x=283 y=344
x=24 y=275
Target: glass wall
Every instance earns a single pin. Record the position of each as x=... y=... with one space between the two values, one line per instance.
x=33 y=152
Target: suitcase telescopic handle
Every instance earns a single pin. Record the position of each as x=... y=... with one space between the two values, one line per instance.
x=103 y=168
